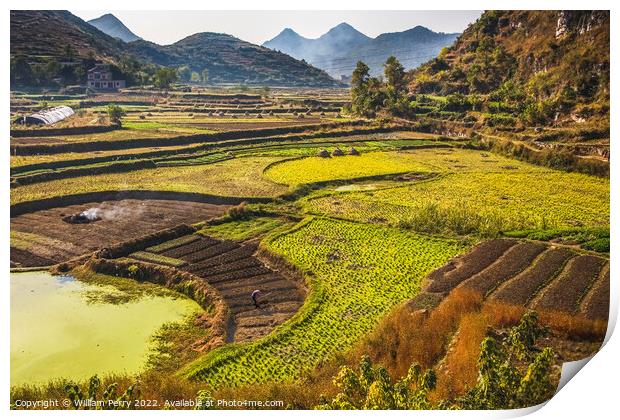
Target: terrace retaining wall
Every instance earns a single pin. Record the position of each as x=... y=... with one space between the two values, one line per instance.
x=28 y=149
x=64 y=131
x=76 y=199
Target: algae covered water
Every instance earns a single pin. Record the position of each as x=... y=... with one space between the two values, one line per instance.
x=59 y=331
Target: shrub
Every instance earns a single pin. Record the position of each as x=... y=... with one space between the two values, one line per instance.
x=115 y=113
x=598 y=245
x=108 y=400
x=503 y=381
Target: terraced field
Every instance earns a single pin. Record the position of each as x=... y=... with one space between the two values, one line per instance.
x=488 y=196
x=234 y=178
x=233 y=270
x=357 y=273
x=379 y=225
x=531 y=274
x=43 y=238
x=317 y=169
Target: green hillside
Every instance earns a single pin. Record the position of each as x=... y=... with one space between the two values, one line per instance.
x=548 y=62
x=56 y=47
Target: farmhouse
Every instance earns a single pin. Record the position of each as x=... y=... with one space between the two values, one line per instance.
x=101 y=77
x=49 y=116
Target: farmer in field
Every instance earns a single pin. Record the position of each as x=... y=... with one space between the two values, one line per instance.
x=255 y=294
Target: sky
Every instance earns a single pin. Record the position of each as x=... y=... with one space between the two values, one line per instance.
x=167 y=27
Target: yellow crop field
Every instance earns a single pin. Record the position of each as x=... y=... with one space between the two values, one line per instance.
x=487 y=202
x=234 y=177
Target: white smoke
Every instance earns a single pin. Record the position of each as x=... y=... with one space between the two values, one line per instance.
x=116 y=212
x=93 y=213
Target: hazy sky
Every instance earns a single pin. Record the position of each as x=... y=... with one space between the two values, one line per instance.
x=166 y=27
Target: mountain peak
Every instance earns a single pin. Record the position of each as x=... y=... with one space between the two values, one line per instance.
x=288 y=31
x=345 y=29
x=287 y=34
x=344 y=25
x=111 y=25
x=344 y=33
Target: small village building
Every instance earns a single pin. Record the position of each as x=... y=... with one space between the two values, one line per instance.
x=101 y=77
x=48 y=116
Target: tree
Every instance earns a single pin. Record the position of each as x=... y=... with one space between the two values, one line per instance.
x=370 y=387
x=52 y=69
x=205 y=76
x=395 y=86
x=68 y=52
x=195 y=77
x=504 y=382
x=21 y=72
x=394 y=76
x=184 y=73
x=164 y=77
x=115 y=113
x=360 y=75
x=109 y=399
x=79 y=73
x=359 y=88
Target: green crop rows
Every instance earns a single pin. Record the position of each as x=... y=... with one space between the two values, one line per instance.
x=357 y=274
x=165 y=246
x=157 y=259
x=240 y=230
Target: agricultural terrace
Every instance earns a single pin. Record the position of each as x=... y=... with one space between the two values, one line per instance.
x=361 y=231
x=488 y=196
x=318 y=169
x=357 y=273
x=295 y=147
x=440 y=160
x=235 y=177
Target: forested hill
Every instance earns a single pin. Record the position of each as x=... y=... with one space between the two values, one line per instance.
x=52 y=46
x=556 y=61
x=231 y=60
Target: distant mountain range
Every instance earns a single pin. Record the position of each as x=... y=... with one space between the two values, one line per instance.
x=38 y=35
x=338 y=50
x=109 y=24
x=231 y=60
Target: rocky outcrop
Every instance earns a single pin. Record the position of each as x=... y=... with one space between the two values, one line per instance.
x=578 y=21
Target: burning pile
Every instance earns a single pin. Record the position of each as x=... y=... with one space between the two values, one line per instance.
x=87 y=216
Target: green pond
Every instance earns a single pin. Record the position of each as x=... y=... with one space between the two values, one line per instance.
x=59 y=331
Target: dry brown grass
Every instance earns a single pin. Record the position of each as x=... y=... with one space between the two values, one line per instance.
x=503 y=315
x=407 y=337
x=574 y=327
x=458 y=371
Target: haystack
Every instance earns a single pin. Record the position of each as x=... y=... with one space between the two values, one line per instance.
x=353 y=151
x=323 y=153
x=338 y=152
